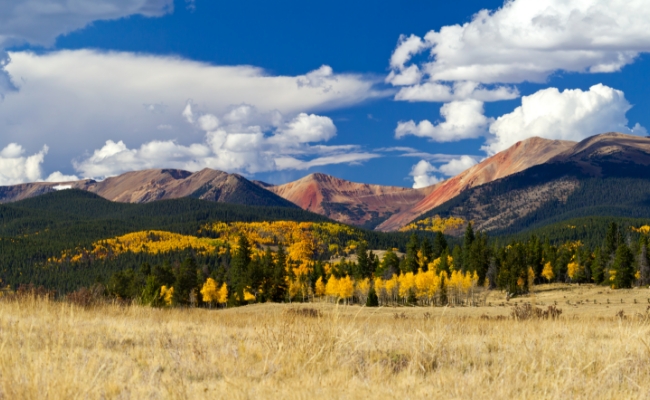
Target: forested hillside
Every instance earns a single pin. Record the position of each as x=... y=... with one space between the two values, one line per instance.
x=41 y=228
x=552 y=193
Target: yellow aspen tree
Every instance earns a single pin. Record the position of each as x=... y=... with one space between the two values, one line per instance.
x=392 y=288
x=167 y=295
x=547 y=272
x=346 y=288
x=209 y=291
x=574 y=269
x=362 y=288
x=406 y=285
x=423 y=284
x=320 y=287
x=248 y=296
x=531 y=277
x=332 y=287
x=222 y=296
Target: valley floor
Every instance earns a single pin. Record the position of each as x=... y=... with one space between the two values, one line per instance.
x=52 y=350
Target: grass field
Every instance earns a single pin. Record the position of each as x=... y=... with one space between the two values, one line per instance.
x=52 y=350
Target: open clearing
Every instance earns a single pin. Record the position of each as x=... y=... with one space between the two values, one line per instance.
x=51 y=350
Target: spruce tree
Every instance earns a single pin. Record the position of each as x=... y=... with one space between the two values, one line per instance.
x=239 y=269
x=468 y=239
x=644 y=266
x=623 y=267
x=279 y=277
x=598 y=267
x=612 y=239
x=439 y=244
x=444 y=263
x=427 y=252
x=185 y=282
x=364 y=264
x=373 y=300
x=412 y=248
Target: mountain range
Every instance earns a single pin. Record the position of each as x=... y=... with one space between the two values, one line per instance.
x=533 y=181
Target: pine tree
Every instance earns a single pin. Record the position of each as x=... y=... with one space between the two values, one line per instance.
x=623 y=267
x=439 y=244
x=185 y=282
x=373 y=300
x=364 y=264
x=239 y=269
x=644 y=266
x=389 y=265
x=426 y=251
x=612 y=239
x=411 y=260
x=444 y=263
x=279 y=277
x=492 y=274
x=598 y=267
x=468 y=239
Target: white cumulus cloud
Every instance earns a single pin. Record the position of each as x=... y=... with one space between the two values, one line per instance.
x=463 y=120
x=458 y=165
x=242 y=140
x=76 y=100
x=527 y=40
x=16 y=167
x=422 y=175
x=569 y=115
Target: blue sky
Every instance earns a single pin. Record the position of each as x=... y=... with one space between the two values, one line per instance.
x=278 y=90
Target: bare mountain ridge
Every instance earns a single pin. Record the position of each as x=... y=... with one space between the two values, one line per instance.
x=520 y=156
x=604 y=175
x=352 y=203
x=160 y=184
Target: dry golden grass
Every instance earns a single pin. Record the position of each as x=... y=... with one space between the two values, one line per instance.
x=51 y=350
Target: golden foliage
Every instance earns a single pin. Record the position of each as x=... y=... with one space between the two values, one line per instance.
x=167 y=294
x=222 y=296
x=435 y=224
x=151 y=242
x=209 y=291
x=320 y=287
x=547 y=272
x=574 y=269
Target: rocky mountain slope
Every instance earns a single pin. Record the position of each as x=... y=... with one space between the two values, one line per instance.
x=519 y=157
x=160 y=184
x=348 y=202
x=604 y=175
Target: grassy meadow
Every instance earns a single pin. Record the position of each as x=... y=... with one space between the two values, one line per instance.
x=56 y=350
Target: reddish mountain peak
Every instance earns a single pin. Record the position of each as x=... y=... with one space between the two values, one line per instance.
x=348 y=202
x=520 y=156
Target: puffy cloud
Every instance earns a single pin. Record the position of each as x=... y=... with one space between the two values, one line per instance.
x=307 y=128
x=457 y=165
x=421 y=173
x=16 y=168
x=527 y=40
x=39 y=22
x=93 y=96
x=242 y=140
x=569 y=115
x=463 y=120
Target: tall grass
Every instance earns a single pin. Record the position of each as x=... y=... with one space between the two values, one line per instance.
x=55 y=350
